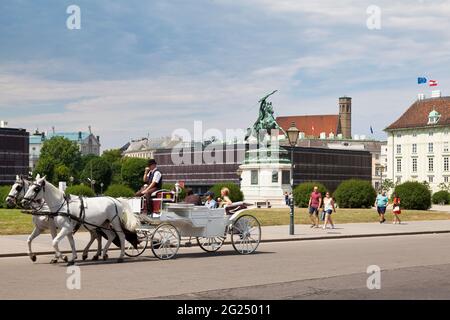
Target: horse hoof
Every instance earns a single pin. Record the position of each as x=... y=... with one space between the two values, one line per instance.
x=120 y=260
x=105 y=257
x=65 y=258
x=95 y=258
x=70 y=263
x=33 y=258
x=84 y=257
x=54 y=260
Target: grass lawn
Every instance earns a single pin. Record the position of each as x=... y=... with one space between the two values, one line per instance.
x=276 y=216
x=15 y=222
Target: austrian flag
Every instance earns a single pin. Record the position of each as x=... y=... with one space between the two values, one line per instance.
x=432 y=83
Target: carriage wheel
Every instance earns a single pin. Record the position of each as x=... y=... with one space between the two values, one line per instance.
x=165 y=241
x=131 y=251
x=246 y=234
x=210 y=244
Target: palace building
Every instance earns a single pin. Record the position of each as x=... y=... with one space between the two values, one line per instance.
x=418 y=143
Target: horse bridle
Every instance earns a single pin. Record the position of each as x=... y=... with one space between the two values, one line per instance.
x=19 y=188
x=33 y=199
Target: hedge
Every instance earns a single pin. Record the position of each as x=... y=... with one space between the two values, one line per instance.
x=414 y=195
x=80 y=190
x=4 y=191
x=441 y=197
x=119 y=190
x=355 y=193
x=302 y=192
x=235 y=192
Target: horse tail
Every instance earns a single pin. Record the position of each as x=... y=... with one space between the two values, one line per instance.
x=128 y=218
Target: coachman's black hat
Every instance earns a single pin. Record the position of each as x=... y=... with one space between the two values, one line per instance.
x=151 y=161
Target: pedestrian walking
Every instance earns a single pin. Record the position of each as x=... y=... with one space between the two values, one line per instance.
x=286 y=198
x=315 y=202
x=396 y=209
x=328 y=208
x=381 y=203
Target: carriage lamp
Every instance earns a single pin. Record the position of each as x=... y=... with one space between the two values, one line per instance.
x=292 y=134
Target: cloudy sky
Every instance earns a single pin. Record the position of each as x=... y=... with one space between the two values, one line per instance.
x=150 y=67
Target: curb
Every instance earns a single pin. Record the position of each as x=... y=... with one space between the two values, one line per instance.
x=24 y=254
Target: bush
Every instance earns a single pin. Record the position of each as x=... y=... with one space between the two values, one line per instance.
x=235 y=192
x=355 y=193
x=302 y=192
x=119 y=190
x=414 y=195
x=441 y=197
x=4 y=191
x=171 y=187
x=80 y=190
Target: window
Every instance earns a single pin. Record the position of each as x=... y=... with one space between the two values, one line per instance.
x=430 y=164
x=446 y=146
x=399 y=135
x=414 y=134
x=286 y=177
x=430 y=147
x=254 y=177
x=414 y=148
x=274 y=176
x=430 y=179
x=414 y=164
x=445 y=179
x=377 y=156
x=445 y=163
x=399 y=165
x=399 y=149
x=399 y=179
x=430 y=134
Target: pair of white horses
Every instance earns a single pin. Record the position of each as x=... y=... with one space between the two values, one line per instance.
x=100 y=215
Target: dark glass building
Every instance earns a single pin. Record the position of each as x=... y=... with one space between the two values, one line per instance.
x=14 y=154
x=328 y=166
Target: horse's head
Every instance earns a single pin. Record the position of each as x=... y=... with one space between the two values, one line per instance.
x=17 y=192
x=35 y=192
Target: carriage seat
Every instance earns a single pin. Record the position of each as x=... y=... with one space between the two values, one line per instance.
x=236 y=206
x=158 y=198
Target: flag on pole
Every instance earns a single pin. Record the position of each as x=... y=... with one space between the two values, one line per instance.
x=432 y=83
x=371 y=130
x=421 y=80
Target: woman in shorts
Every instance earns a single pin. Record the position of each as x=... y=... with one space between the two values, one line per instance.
x=328 y=207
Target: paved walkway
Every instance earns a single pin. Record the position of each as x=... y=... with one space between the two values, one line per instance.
x=16 y=245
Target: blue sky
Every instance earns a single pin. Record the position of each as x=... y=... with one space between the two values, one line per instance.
x=150 y=67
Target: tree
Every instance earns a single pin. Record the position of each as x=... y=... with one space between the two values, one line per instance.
x=133 y=171
x=114 y=158
x=355 y=193
x=112 y=155
x=55 y=152
x=61 y=173
x=387 y=185
x=414 y=195
x=441 y=197
x=303 y=191
x=97 y=169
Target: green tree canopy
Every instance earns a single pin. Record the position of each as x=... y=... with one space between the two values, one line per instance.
x=101 y=172
x=133 y=171
x=55 y=152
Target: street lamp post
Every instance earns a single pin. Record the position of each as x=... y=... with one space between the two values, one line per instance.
x=292 y=134
x=381 y=169
x=101 y=188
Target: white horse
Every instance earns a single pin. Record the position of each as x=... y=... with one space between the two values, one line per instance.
x=105 y=213
x=44 y=222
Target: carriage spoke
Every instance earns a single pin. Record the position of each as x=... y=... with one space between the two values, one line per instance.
x=246 y=234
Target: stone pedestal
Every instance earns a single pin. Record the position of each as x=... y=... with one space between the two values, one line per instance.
x=262 y=176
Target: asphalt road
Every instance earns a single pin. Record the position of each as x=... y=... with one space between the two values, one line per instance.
x=413 y=267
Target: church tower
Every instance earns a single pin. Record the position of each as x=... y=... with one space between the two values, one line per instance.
x=345 y=116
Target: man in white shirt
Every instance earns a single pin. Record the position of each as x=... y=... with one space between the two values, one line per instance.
x=153 y=182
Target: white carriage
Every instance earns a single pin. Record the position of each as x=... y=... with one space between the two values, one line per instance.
x=164 y=231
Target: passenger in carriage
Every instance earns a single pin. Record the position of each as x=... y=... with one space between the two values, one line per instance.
x=210 y=202
x=153 y=182
x=225 y=200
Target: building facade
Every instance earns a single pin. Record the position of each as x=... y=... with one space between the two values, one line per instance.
x=418 y=143
x=14 y=154
x=86 y=141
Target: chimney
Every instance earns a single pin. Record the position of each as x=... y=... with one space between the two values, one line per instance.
x=3 y=124
x=79 y=135
x=98 y=139
x=345 y=117
x=421 y=96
